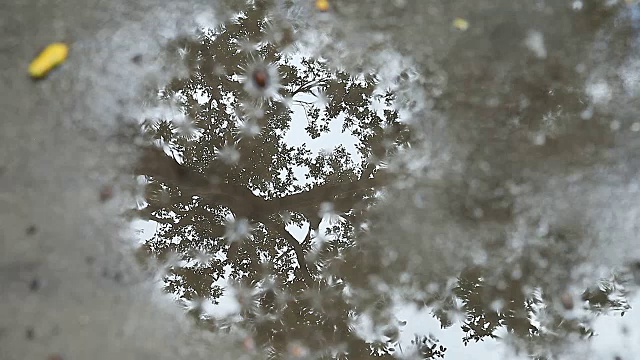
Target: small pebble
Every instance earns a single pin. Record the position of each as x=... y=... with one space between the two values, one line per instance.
x=567 y=301
x=34 y=285
x=117 y=277
x=31 y=230
x=261 y=78
x=30 y=334
x=106 y=193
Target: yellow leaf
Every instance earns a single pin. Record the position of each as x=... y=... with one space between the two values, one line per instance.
x=322 y=5
x=52 y=56
x=460 y=24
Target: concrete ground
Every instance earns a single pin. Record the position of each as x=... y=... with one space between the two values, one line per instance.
x=69 y=290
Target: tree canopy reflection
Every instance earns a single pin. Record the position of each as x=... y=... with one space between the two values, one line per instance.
x=228 y=185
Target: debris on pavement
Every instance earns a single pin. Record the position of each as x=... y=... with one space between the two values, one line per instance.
x=322 y=5
x=460 y=24
x=52 y=56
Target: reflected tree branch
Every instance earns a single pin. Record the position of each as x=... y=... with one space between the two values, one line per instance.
x=310 y=85
x=242 y=201
x=297 y=248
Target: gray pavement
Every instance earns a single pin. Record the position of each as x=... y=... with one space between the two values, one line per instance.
x=67 y=284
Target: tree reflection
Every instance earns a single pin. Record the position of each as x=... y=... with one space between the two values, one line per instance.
x=224 y=190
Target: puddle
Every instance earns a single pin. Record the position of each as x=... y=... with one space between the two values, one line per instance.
x=405 y=179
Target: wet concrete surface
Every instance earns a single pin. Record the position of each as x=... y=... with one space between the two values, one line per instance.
x=70 y=288
x=66 y=277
